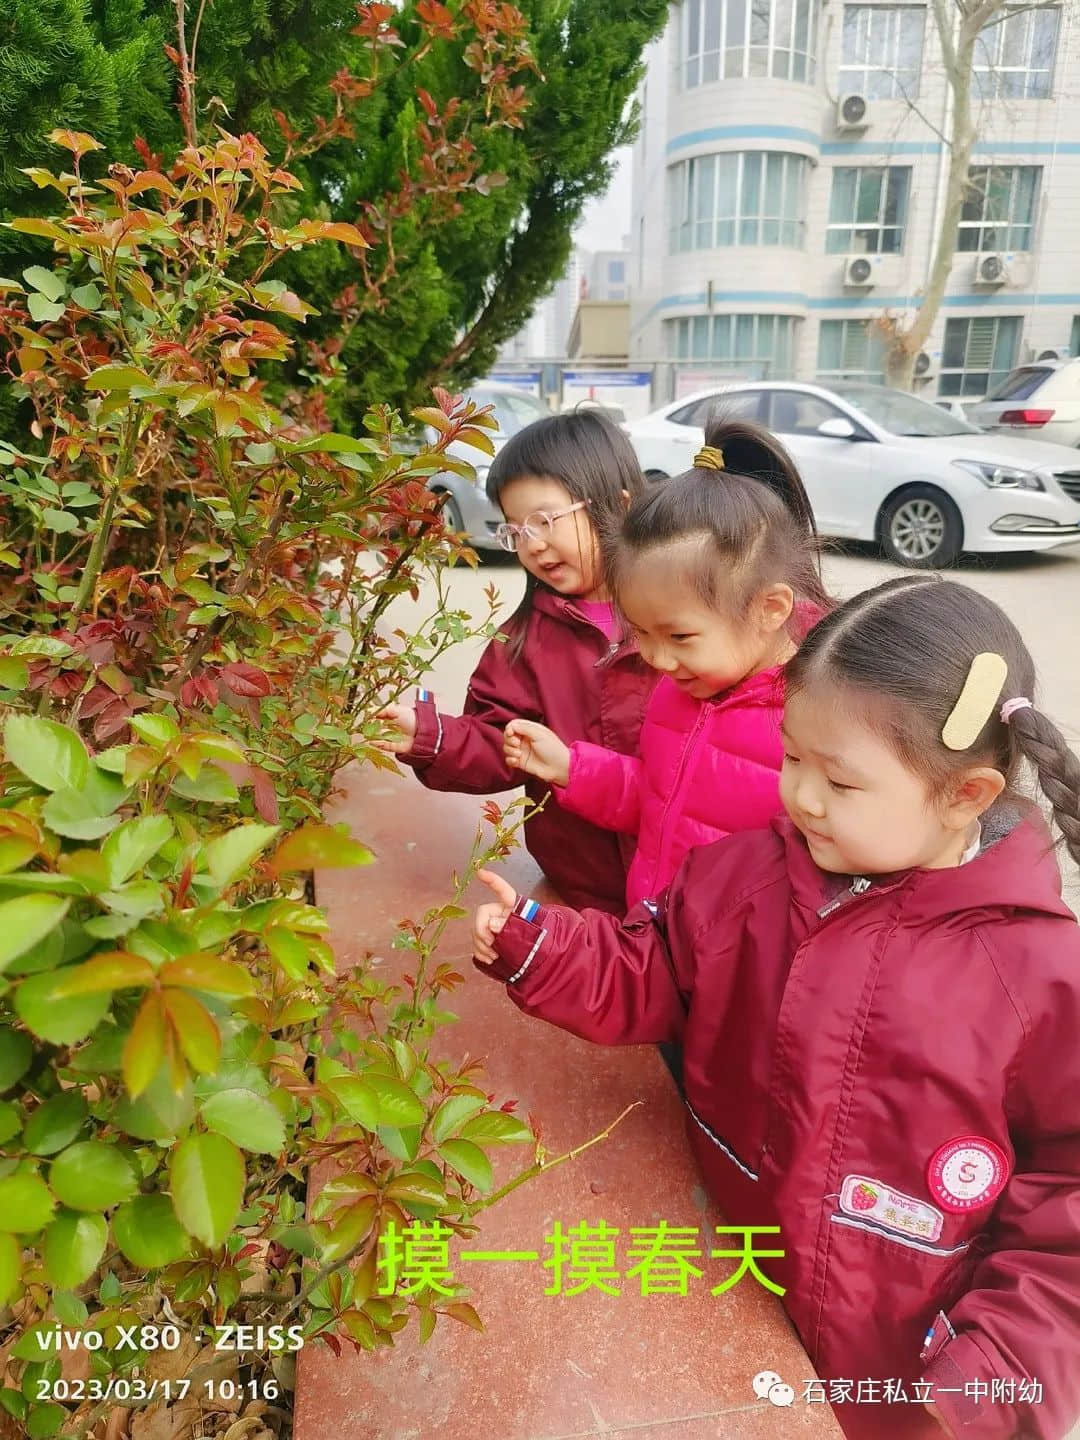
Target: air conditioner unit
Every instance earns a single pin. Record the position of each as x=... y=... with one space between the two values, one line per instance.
x=991 y=268
x=925 y=368
x=858 y=271
x=1054 y=352
x=852 y=112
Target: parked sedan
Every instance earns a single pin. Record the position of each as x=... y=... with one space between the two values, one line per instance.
x=1041 y=400
x=886 y=466
x=467 y=507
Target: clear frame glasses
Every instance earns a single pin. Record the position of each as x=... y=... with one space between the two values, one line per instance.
x=537 y=526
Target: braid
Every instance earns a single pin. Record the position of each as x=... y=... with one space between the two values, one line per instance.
x=1058 y=769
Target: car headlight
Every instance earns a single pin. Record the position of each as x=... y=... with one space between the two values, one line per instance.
x=1001 y=477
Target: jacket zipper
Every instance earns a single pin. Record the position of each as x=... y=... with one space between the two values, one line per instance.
x=613 y=646
x=684 y=759
x=859 y=886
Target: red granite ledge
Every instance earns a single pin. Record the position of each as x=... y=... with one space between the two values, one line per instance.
x=548 y=1367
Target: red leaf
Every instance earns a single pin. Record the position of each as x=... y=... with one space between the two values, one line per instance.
x=201 y=688
x=245 y=680
x=334 y=1343
x=266 y=801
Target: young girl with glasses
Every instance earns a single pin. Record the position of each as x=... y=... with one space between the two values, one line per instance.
x=563 y=484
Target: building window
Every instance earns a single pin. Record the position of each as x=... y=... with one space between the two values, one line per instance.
x=868 y=210
x=758 y=346
x=1014 y=57
x=999 y=209
x=850 y=350
x=882 y=51
x=1074 y=338
x=731 y=39
x=738 y=198
x=616 y=272
x=978 y=353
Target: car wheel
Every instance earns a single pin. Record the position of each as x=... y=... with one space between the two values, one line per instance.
x=921 y=528
x=451 y=512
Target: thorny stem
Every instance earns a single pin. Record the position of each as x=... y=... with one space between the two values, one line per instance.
x=540 y=1167
x=89 y=578
x=187 y=99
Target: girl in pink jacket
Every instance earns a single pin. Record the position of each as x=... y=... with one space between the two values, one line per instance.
x=879 y=1000
x=715 y=573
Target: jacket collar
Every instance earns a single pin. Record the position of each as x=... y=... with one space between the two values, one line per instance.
x=1015 y=870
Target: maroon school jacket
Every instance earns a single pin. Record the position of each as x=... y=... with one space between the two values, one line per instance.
x=571 y=679
x=889 y=1070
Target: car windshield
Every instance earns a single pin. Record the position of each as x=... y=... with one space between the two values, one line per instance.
x=514 y=409
x=1022 y=383
x=901 y=413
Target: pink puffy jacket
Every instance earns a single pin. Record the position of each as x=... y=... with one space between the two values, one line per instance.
x=706 y=768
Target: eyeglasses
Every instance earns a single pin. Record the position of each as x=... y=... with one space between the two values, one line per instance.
x=537 y=526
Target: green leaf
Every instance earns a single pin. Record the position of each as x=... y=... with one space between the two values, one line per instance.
x=88 y=297
x=116 y=377
x=25 y=1203
x=469 y=1161
x=148 y=1232
x=207 y=1181
x=25 y=921
x=261 y=454
x=93 y=1175
x=45 y=1420
x=228 y=856
x=414 y=1187
x=44 y=645
x=213 y=787
x=137 y=841
x=159 y=1113
x=155 y=729
x=50 y=1017
x=62 y=521
x=50 y=755
x=398 y=1105
x=358 y=1099
x=46 y=281
x=77 y=814
x=55 y=1124
x=319 y=847
x=291 y=952
x=73 y=1246
x=10 y=1266
x=16 y=1053
x=42 y=310
x=10 y=1123
x=14 y=673
x=247 y=1119
x=453 y=1113
x=15 y=851
x=496 y=1128
x=350 y=1227
x=138 y=897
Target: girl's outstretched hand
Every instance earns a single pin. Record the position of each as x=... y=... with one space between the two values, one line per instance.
x=536 y=750
x=403 y=718
x=491 y=918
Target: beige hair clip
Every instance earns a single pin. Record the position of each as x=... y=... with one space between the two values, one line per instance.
x=984 y=683
x=709 y=458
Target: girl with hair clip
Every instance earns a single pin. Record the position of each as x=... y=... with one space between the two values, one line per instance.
x=879 y=999
x=716 y=575
x=562 y=484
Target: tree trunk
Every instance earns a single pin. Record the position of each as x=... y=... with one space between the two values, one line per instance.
x=902 y=355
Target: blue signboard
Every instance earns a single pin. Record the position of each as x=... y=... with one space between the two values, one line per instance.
x=607 y=379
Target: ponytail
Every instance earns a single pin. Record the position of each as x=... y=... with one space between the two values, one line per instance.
x=1041 y=743
x=749 y=449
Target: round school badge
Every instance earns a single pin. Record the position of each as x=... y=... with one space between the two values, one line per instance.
x=967 y=1173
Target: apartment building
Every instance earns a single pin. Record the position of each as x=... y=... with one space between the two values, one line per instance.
x=789 y=185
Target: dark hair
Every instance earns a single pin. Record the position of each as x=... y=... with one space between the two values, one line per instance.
x=588 y=453
x=905 y=648
x=754 y=518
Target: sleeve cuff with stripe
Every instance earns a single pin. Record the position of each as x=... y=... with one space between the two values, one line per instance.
x=518 y=944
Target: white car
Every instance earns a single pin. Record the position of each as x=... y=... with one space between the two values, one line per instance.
x=1041 y=400
x=885 y=466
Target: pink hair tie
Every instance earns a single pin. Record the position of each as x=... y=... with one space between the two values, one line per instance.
x=1009 y=709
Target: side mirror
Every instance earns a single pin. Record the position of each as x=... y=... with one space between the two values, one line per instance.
x=837 y=429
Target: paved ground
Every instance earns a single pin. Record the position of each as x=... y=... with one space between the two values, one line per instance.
x=1041 y=593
